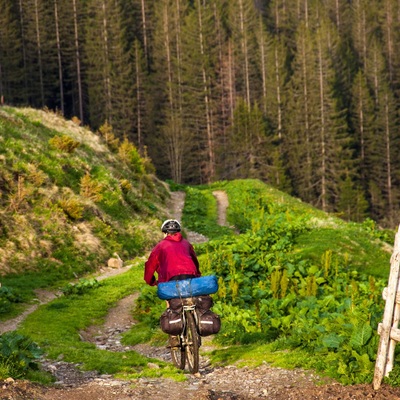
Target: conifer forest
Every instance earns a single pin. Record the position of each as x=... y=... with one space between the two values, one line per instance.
x=302 y=94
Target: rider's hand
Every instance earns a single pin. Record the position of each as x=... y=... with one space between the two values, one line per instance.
x=153 y=281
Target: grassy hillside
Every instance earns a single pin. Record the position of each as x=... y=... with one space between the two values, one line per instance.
x=70 y=198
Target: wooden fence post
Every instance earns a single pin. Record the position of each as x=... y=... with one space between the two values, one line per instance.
x=388 y=329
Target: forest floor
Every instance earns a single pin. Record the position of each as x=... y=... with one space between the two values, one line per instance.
x=211 y=383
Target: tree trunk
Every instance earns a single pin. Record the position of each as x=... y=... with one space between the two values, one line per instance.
x=107 y=76
x=278 y=92
x=322 y=128
x=244 y=45
x=388 y=160
x=78 y=60
x=59 y=58
x=210 y=139
x=144 y=27
x=39 y=52
x=23 y=43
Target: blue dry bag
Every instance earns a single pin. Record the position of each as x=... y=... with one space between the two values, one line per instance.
x=187 y=287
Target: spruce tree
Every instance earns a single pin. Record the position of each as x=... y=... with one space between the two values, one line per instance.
x=243 y=22
x=362 y=117
x=11 y=82
x=300 y=141
x=198 y=62
x=41 y=54
x=174 y=137
x=109 y=75
x=385 y=141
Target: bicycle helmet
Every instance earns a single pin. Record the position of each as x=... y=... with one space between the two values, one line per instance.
x=171 y=226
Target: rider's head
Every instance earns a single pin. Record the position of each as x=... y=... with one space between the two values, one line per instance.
x=171 y=226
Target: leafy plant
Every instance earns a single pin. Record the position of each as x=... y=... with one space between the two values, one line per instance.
x=7 y=297
x=18 y=354
x=83 y=286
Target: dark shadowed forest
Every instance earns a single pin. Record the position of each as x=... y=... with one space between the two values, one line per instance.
x=302 y=94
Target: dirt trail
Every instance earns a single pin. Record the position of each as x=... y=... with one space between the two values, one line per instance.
x=213 y=383
x=42 y=297
x=45 y=296
x=222 y=203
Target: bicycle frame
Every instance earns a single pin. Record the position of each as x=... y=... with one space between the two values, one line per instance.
x=185 y=310
x=189 y=341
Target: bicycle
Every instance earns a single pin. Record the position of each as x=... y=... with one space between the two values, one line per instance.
x=189 y=339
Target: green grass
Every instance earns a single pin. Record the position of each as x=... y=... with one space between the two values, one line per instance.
x=255 y=355
x=25 y=284
x=55 y=328
x=352 y=246
x=298 y=286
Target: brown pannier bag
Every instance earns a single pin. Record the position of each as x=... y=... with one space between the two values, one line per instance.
x=202 y=303
x=171 y=322
x=209 y=323
x=176 y=304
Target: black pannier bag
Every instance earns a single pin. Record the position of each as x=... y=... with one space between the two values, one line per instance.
x=171 y=322
x=209 y=322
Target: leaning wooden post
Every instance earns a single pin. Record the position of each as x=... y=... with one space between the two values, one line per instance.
x=386 y=344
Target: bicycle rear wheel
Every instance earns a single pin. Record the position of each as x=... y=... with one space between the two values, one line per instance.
x=192 y=345
x=178 y=356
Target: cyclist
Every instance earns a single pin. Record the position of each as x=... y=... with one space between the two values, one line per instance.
x=173 y=258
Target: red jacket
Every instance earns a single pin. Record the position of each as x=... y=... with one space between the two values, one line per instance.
x=172 y=256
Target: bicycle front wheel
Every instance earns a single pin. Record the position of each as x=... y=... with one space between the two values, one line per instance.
x=178 y=356
x=192 y=345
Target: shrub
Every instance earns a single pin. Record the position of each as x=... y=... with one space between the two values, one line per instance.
x=72 y=207
x=64 y=143
x=76 y=120
x=129 y=154
x=91 y=189
x=106 y=131
x=125 y=185
x=35 y=175
x=18 y=198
